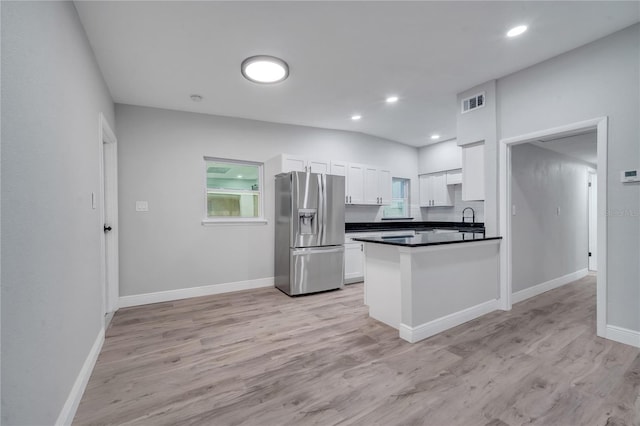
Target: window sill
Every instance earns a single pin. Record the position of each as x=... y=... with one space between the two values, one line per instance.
x=257 y=221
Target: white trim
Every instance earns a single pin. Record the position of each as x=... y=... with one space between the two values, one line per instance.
x=108 y=190
x=623 y=335
x=70 y=406
x=537 y=289
x=431 y=328
x=186 y=293
x=504 y=166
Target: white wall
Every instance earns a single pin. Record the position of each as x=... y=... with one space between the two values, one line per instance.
x=547 y=245
x=599 y=79
x=52 y=93
x=439 y=157
x=160 y=159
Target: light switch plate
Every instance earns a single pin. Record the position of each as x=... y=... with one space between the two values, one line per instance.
x=142 y=206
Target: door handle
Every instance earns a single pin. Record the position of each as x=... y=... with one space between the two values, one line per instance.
x=107 y=228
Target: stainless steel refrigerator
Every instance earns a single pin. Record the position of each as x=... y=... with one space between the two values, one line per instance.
x=309 y=232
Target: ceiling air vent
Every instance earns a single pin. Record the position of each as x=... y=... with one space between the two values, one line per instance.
x=474 y=102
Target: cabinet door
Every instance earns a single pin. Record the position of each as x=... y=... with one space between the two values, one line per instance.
x=355 y=183
x=339 y=168
x=440 y=192
x=425 y=190
x=292 y=163
x=353 y=262
x=473 y=172
x=317 y=166
x=371 y=195
x=384 y=187
x=454 y=176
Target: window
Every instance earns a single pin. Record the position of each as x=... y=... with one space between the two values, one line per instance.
x=233 y=191
x=399 y=207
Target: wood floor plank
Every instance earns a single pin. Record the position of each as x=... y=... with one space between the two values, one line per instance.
x=262 y=358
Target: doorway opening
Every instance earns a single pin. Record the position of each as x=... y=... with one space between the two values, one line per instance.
x=108 y=196
x=552 y=209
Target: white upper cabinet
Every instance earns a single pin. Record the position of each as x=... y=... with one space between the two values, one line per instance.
x=384 y=186
x=294 y=163
x=291 y=163
x=317 y=166
x=371 y=195
x=454 y=176
x=377 y=186
x=434 y=191
x=355 y=183
x=473 y=172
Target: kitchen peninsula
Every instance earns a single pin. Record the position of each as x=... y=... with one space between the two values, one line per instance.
x=430 y=282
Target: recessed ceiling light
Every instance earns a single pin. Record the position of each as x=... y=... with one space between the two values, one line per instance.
x=239 y=176
x=356 y=117
x=264 y=69
x=392 y=99
x=516 y=31
x=435 y=137
x=196 y=98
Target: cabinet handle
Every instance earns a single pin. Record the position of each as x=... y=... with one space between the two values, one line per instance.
x=346 y=198
x=361 y=247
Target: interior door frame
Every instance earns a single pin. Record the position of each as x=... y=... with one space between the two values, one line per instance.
x=592 y=201
x=108 y=199
x=600 y=125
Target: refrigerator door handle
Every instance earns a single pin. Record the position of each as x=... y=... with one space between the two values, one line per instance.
x=308 y=250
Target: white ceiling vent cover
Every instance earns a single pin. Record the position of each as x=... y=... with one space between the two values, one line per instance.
x=474 y=102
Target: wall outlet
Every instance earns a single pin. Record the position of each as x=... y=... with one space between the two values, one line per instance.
x=513 y=210
x=142 y=206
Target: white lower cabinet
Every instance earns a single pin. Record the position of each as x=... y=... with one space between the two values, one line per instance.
x=353 y=262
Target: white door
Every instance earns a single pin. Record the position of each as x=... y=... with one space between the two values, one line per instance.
x=593 y=222
x=109 y=215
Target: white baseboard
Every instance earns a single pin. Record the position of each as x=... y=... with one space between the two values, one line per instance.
x=70 y=406
x=548 y=285
x=414 y=334
x=186 y=293
x=623 y=335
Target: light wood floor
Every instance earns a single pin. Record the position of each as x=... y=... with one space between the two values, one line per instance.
x=261 y=358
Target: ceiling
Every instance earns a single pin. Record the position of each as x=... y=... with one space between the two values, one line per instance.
x=582 y=147
x=344 y=57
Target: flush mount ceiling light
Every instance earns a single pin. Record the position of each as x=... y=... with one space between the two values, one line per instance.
x=516 y=31
x=435 y=137
x=264 y=69
x=356 y=117
x=196 y=98
x=392 y=99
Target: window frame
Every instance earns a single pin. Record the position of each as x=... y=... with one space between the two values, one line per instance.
x=407 y=188
x=260 y=219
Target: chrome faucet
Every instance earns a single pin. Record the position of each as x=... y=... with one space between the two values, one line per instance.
x=473 y=214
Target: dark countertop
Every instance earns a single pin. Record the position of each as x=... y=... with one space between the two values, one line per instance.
x=417 y=226
x=430 y=239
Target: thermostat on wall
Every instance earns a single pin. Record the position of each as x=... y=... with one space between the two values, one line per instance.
x=629 y=176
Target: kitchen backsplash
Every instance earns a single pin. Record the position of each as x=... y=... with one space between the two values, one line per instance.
x=434 y=214
x=454 y=214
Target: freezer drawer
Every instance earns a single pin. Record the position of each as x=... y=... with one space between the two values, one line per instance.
x=316 y=269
